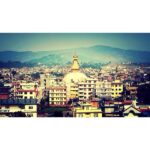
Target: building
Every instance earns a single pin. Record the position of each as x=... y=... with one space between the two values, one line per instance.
x=131 y=91
x=131 y=111
x=24 y=90
x=86 y=89
x=74 y=91
x=103 y=89
x=45 y=80
x=26 y=94
x=86 y=110
x=117 y=88
x=27 y=91
x=57 y=95
x=11 y=106
x=111 y=108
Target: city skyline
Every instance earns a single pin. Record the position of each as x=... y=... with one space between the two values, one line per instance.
x=59 y=41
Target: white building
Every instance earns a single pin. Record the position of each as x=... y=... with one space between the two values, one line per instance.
x=103 y=89
x=86 y=89
x=57 y=95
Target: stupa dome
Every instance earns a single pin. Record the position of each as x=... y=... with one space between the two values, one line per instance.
x=75 y=75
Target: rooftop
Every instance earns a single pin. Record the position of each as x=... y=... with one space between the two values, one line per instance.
x=18 y=102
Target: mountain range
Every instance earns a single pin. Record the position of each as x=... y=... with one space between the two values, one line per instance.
x=93 y=54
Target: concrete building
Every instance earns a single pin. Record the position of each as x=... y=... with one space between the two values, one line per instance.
x=86 y=89
x=117 y=88
x=103 y=89
x=26 y=94
x=45 y=81
x=57 y=95
x=74 y=91
x=11 y=106
x=86 y=110
x=26 y=91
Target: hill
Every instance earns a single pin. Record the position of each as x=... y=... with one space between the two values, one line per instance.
x=94 y=54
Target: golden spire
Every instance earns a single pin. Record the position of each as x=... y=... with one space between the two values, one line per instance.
x=75 y=63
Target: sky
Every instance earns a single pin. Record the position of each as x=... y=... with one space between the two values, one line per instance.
x=58 y=41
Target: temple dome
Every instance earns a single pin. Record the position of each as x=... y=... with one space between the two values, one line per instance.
x=75 y=75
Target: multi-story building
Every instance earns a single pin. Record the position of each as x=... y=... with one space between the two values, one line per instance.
x=86 y=89
x=131 y=91
x=11 y=106
x=86 y=110
x=26 y=94
x=103 y=89
x=45 y=81
x=117 y=88
x=73 y=91
x=57 y=95
x=26 y=91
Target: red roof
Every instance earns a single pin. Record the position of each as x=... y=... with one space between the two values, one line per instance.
x=15 y=83
x=109 y=102
x=127 y=102
x=57 y=88
x=143 y=109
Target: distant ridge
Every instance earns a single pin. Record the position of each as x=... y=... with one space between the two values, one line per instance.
x=93 y=54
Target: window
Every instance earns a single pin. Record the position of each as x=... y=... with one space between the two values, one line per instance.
x=87 y=108
x=31 y=92
x=30 y=107
x=22 y=106
x=29 y=115
x=80 y=115
x=25 y=92
x=95 y=114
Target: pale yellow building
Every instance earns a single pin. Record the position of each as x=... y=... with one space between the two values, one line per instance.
x=73 y=90
x=117 y=88
x=86 y=110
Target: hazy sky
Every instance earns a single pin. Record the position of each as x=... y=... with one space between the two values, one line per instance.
x=55 y=41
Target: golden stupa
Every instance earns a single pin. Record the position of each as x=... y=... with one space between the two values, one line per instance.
x=75 y=75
